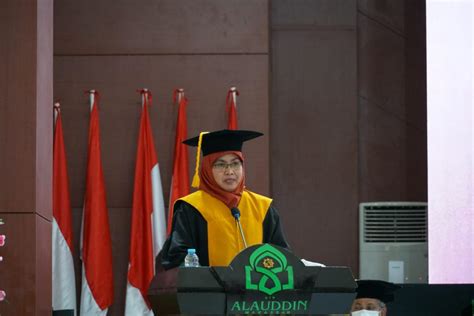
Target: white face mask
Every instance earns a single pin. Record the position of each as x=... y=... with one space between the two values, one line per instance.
x=365 y=312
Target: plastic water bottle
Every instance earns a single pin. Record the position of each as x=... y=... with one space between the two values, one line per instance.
x=191 y=259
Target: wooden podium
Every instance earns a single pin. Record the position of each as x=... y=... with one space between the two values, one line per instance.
x=262 y=279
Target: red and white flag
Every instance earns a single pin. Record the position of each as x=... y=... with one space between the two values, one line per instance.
x=148 y=232
x=180 y=177
x=231 y=105
x=96 y=247
x=64 y=280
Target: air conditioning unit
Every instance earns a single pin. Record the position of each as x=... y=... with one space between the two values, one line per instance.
x=393 y=241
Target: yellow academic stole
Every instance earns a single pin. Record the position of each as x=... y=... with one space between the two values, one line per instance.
x=223 y=234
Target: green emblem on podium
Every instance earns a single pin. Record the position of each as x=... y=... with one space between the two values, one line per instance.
x=271 y=267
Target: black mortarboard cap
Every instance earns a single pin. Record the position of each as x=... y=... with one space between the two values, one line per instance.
x=223 y=140
x=377 y=289
x=214 y=142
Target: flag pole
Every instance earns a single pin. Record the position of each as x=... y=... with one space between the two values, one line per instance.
x=91 y=98
x=57 y=109
x=233 y=90
x=231 y=107
x=144 y=92
x=180 y=176
x=180 y=94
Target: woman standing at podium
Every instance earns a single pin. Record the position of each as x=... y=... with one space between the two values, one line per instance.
x=206 y=219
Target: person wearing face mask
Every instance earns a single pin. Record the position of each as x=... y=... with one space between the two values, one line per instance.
x=203 y=220
x=372 y=295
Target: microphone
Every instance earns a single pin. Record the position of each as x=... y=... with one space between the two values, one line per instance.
x=236 y=214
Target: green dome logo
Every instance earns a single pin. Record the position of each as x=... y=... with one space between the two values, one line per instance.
x=270 y=264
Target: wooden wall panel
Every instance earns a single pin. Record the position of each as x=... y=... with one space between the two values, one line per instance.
x=381 y=67
x=383 y=116
x=415 y=92
x=392 y=100
x=25 y=117
x=382 y=155
x=18 y=106
x=26 y=265
x=43 y=112
x=322 y=14
x=205 y=79
x=388 y=13
x=314 y=128
x=382 y=111
x=26 y=60
x=164 y=27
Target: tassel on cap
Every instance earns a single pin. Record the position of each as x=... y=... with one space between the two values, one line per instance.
x=196 y=180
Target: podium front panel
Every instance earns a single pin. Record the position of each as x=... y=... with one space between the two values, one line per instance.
x=202 y=303
x=331 y=303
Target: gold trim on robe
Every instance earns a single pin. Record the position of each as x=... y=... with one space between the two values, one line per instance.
x=223 y=234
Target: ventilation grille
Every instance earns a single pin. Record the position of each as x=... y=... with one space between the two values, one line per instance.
x=394 y=223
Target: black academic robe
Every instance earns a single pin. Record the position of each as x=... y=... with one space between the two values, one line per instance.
x=189 y=230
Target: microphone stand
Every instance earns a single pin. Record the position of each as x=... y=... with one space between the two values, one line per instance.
x=236 y=213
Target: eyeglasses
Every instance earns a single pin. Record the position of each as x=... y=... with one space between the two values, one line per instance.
x=222 y=166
